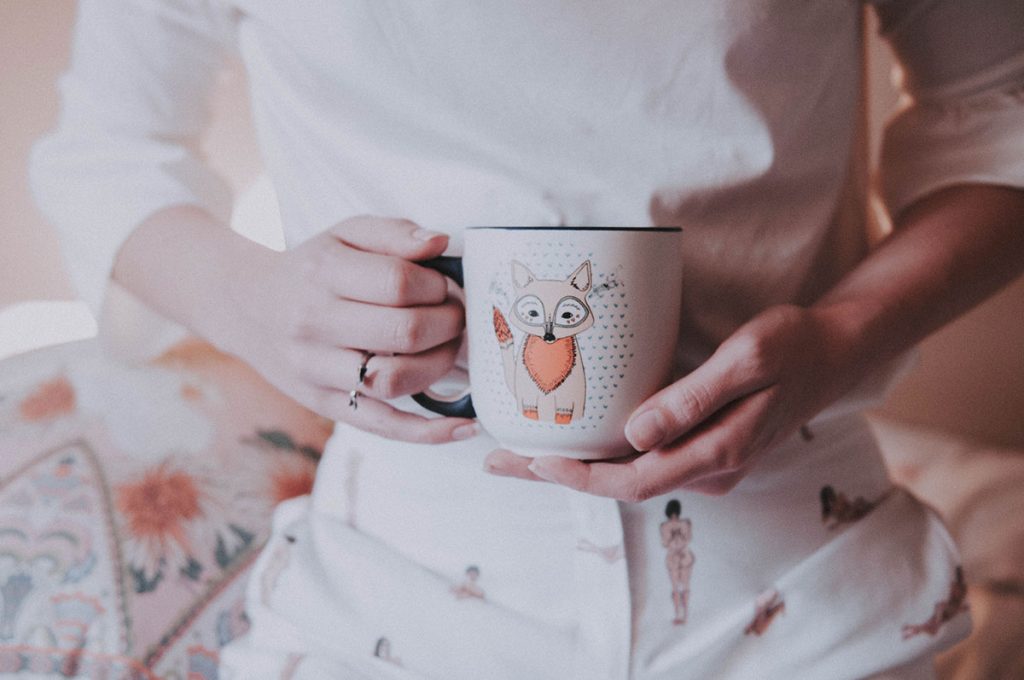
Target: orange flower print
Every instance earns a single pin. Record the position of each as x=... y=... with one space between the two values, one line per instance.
x=158 y=509
x=159 y=504
x=288 y=471
x=182 y=516
x=50 y=399
x=290 y=481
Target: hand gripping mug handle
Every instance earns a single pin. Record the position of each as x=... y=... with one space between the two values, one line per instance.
x=460 y=405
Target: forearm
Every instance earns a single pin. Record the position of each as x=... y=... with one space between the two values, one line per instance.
x=182 y=262
x=948 y=252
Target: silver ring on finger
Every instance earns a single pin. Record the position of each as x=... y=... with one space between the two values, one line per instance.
x=362 y=367
x=353 y=399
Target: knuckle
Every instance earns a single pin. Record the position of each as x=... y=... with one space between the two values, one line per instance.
x=730 y=483
x=755 y=354
x=389 y=384
x=429 y=435
x=444 y=363
x=404 y=224
x=715 y=489
x=751 y=347
x=633 y=495
x=318 y=263
x=787 y=314
x=455 y=318
x=304 y=321
x=409 y=331
x=713 y=456
x=640 y=490
x=379 y=429
x=372 y=426
x=723 y=486
x=690 y=403
x=346 y=226
x=638 y=494
x=395 y=428
x=433 y=287
x=730 y=459
x=398 y=282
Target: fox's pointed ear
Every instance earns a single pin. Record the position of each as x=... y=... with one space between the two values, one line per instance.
x=580 y=279
x=521 y=276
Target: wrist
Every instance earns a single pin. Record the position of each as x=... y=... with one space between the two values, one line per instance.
x=850 y=333
x=179 y=262
x=239 y=273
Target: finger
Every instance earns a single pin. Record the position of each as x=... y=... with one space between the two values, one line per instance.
x=735 y=370
x=380 y=279
x=384 y=420
x=391 y=236
x=505 y=463
x=721 y=446
x=405 y=330
x=619 y=480
x=386 y=377
x=715 y=485
x=404 y=374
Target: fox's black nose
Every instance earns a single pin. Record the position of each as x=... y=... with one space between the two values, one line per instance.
x=549 y=337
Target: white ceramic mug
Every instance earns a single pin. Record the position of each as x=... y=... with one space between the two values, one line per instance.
x=569 y=330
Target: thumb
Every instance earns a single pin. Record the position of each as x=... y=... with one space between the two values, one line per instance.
x=390 y=236
x=686 y=403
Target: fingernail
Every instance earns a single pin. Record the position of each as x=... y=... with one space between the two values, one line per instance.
x=646 y=430
x=466 y=431
x=538 y=468
x=425 y=234
x=492 y=469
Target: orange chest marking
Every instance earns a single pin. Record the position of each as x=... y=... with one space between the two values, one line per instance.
x=549 y=364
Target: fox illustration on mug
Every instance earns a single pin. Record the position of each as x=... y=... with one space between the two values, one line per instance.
x=546 y=374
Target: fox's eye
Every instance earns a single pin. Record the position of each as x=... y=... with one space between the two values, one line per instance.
x=530 y=310
x=571 y=312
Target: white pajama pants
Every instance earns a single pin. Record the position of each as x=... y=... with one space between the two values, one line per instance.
x=411 y=562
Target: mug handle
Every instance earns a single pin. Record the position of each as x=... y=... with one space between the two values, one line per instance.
x=459 y=405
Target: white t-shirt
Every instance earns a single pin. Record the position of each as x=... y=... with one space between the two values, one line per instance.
x=733 y=119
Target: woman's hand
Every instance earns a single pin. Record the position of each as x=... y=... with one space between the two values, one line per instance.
x=304 y=318
x=950 y=250
x=705 y=431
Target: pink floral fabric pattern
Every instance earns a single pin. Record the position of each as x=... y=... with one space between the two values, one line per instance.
x=124 y=556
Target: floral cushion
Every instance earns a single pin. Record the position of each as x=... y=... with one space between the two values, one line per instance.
x=133 y=502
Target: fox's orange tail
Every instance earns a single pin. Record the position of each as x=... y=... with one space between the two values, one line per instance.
x=508 y=359
x=501 y=329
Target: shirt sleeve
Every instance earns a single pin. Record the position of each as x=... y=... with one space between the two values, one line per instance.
x=134 y=101
x=961 y=118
